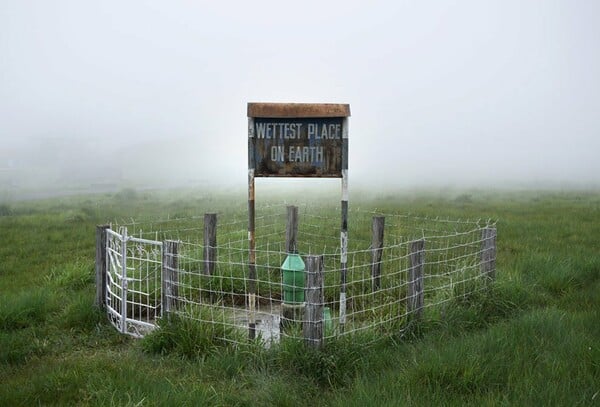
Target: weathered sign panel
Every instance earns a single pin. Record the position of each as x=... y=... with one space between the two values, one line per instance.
x=297 y=140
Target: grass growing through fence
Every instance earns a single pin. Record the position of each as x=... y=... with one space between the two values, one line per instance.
x=530 y=339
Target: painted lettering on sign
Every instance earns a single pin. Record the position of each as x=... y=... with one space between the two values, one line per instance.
x=292 y=131
x=298 y=147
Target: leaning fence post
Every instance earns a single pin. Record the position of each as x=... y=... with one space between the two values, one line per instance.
x=210 y=243
x=415 y=279
x=313 y=311
x=377 y=250
x=170 y=276
x=101 y=240
x=488 y=253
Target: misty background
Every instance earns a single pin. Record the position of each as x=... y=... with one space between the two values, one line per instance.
x=103 y=95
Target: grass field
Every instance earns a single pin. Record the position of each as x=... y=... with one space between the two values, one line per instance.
x=534 y=340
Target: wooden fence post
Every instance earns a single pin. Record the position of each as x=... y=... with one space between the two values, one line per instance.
x=210 y=243
x=101 y=240
x=291 y=230
x=488 y=253
x=377 y=250
x=415 y=279
x=313 y=325
x=170 y=276
x=290 y=312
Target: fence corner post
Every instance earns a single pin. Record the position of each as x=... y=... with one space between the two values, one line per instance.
x=313 y=326
x=101 y=241
x=415 y=295
x=488 y=253
x=170 y=276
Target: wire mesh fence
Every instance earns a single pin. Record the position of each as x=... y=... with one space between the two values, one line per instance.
x=398 y=268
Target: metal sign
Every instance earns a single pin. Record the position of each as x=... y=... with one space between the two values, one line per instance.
x=297 y=140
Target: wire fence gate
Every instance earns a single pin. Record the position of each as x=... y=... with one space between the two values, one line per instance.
x=399 y=267
x=132 y=278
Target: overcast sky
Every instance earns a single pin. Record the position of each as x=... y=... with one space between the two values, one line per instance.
x=448 y=92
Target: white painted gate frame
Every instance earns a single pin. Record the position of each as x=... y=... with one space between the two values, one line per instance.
x=124 y=313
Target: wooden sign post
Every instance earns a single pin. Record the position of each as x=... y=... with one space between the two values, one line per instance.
x=297 y=140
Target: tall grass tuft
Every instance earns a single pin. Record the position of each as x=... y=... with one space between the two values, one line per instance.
x=80 y=315
x=18 y=346
x=26 y=308
x=73 y=276
x=190 y=336
x=334 y=365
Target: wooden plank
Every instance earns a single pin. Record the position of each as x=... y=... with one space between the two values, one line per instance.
x=291 y=230
x=415 y=294
x=313 y=326
x=210 y=243
x=488 y=253
x=297 y=110
x=101 y=240
x=170 y=276
x=290 y=313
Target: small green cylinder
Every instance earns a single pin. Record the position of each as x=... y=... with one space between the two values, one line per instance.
x=293 y=279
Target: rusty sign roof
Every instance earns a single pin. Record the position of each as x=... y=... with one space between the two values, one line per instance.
x=293 y=110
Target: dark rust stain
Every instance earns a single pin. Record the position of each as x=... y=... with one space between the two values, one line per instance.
x=291 y=110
